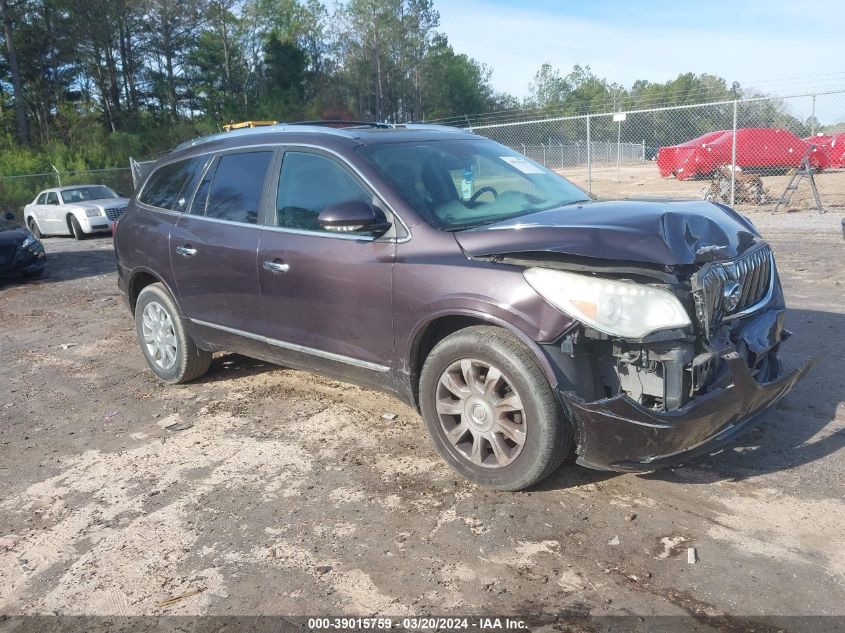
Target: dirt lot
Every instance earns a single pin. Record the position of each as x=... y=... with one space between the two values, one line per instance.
x=287 y=493
x=644 y=180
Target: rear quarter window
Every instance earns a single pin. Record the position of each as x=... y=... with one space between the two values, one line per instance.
x=169 y=186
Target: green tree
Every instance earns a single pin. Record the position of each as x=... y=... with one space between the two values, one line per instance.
x=285 y=72
x=381 y=49
x=548 y=88
x=9 y=16
x=302 y=22
x=454 y=83
x=172 y=27
x=216 y=69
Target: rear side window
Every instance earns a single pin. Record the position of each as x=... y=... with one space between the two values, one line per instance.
x=309 y=183
x=41 y=199
x=170 y=186
x=236 y=188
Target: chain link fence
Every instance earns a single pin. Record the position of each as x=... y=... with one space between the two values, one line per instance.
x=16 y=191
x=754 y=154
x=771 y=154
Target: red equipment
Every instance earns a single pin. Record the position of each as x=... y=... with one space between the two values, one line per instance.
x=833 y=145
x=756 y=148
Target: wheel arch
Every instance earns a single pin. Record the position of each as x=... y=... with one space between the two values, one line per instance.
x=140 y=279
x=430 y=333
x=68 y=215
x=29 y=216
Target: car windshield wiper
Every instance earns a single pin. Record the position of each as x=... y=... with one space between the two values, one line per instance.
x=569 y=204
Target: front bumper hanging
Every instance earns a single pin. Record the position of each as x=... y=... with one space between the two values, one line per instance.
x=620 y=434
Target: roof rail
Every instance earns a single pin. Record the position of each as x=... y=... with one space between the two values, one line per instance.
x=254 y=131
x=434 y=126
x=338 y=127
x=344 y=123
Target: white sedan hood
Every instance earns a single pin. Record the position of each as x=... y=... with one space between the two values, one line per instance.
x=102 y=205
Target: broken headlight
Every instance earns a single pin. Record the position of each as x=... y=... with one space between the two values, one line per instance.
x=627 y=310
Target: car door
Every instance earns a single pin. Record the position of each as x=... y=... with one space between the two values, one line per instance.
x=213 y=252
x=52 y=213
x=37 y=210
x=326 y=297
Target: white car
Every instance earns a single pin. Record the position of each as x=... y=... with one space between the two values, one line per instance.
x=76 y=210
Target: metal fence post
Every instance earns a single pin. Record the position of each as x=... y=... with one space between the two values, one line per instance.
x=733 y=160
x=544 y=154
x=589 y=159
x=618 y=149
x=813 y=118
x=58 y=175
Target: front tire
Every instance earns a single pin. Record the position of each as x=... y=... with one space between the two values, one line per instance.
x=490 y=411
x=169 y=351
x=76 y=228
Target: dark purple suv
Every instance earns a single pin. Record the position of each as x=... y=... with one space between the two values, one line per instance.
x=522 y=317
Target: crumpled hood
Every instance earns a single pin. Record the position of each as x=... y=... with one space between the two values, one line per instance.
x=662 y=232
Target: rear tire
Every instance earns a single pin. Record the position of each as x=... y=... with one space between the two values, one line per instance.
x=76 y=228
x=172 y=355
x=490 y=411
x=33 y=228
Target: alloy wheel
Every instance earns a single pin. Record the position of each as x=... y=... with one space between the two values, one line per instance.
x=159 y=335
x=480 y=413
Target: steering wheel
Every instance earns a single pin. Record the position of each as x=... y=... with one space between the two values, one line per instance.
x=471 y=202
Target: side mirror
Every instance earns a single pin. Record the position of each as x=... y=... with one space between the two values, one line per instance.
x=9 y=216
x=351 y=216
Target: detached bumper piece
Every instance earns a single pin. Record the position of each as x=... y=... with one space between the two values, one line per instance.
x=622 y=435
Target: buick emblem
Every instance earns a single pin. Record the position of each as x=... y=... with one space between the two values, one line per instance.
x=731 y=295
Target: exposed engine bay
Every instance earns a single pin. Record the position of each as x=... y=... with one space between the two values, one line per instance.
x=734 y=305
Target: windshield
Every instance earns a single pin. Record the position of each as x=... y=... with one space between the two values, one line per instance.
x=459 y=184
x=83 y=194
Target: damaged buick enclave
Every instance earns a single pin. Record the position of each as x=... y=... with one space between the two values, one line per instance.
x=522 y=317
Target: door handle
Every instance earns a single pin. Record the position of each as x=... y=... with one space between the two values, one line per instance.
x=186 y=251
x=276 y=267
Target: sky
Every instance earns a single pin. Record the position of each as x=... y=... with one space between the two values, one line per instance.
x=778 y=46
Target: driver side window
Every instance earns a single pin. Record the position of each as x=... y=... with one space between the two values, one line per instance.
x=52 y=198
x=308 y=184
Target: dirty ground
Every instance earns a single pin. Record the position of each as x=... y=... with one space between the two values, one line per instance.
x=262 y=490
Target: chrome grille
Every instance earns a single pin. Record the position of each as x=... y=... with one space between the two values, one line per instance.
x=114 y=214
x=753 y=275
